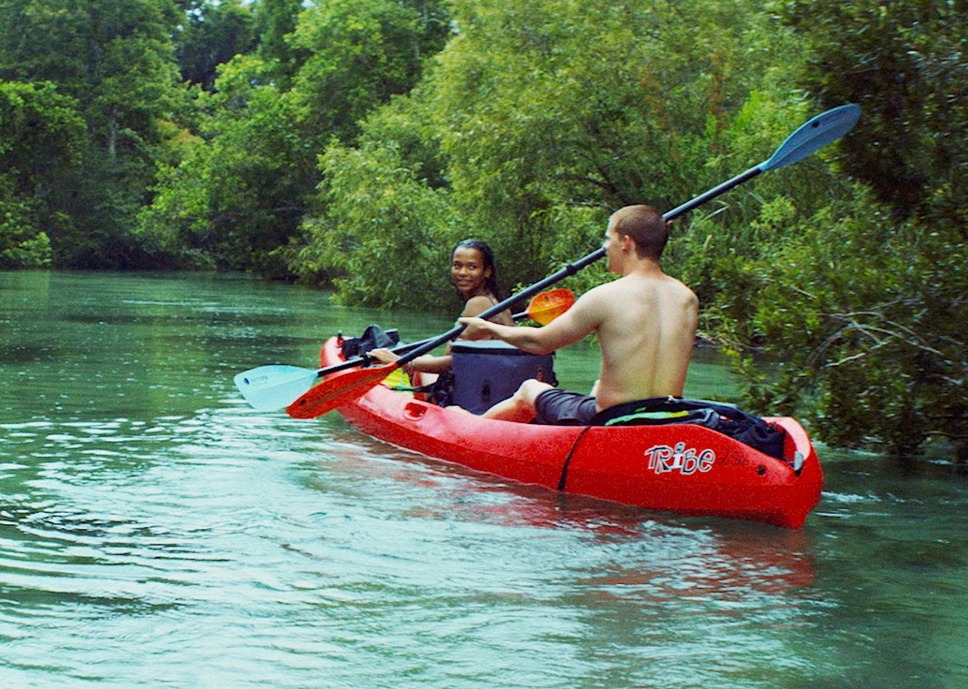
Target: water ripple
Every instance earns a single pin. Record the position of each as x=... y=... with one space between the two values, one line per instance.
x=155 y=531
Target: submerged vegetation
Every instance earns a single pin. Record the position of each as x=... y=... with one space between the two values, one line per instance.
x=351 y=144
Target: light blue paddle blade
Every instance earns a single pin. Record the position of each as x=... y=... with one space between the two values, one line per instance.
x=813 y=135
x=274 y=387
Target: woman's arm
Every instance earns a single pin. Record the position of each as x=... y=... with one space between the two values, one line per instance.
x=428 y=363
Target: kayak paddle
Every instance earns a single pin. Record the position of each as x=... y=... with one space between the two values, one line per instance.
x=808 y=138
x=277 y=386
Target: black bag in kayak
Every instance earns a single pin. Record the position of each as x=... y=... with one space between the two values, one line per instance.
x=724 y=418
x=373 y=337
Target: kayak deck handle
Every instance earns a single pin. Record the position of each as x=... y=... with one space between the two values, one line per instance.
x=415 y=410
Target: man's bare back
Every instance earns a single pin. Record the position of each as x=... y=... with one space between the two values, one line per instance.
x=646 y=335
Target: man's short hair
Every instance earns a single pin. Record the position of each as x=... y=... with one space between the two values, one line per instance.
x=647 y=228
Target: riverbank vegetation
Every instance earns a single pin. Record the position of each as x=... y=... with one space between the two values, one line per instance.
x=350 y=144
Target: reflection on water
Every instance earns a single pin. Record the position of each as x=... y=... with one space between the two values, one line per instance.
x=155 y=531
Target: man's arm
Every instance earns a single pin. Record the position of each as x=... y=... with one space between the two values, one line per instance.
x=572 y=326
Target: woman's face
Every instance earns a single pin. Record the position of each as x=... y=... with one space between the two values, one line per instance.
x=468 y=273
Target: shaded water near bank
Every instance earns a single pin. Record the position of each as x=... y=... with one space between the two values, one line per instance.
x=157 y=532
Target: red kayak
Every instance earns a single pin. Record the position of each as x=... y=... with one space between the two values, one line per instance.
x=682 y=468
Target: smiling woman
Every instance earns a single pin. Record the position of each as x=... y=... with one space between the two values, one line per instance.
x=473 y=272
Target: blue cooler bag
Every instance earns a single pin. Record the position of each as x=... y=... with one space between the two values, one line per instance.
x=489 y=371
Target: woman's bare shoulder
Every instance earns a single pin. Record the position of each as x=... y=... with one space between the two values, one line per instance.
x=476 y=306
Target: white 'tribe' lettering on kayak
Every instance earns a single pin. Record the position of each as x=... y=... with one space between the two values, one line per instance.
x=663 y=459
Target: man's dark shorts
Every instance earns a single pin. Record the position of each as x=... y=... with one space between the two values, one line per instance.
x=556 y=407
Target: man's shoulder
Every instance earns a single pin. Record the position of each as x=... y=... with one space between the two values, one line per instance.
x=603 y=294
x=659 y=284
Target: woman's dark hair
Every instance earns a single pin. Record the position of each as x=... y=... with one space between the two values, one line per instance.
x=488 y=254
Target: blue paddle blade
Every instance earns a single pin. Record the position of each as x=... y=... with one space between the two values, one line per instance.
x=267 y=388
x=813 y=135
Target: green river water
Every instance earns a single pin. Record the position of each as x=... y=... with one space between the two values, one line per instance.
x=155 y=531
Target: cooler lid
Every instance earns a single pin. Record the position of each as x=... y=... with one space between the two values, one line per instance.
x=484 y=347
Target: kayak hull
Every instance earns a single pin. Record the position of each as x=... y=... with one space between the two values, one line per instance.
x=683 y=468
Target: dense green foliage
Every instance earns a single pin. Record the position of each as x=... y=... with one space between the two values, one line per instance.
x=41 y=138
x=210 y=36
x=114 y=60
x=536 y=120
x=350 y=144
x=244 y=186
x=868 y=305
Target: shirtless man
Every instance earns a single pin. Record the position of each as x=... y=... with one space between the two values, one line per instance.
x=645 y=321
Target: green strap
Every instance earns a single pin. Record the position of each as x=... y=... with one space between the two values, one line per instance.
x=650 y=415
